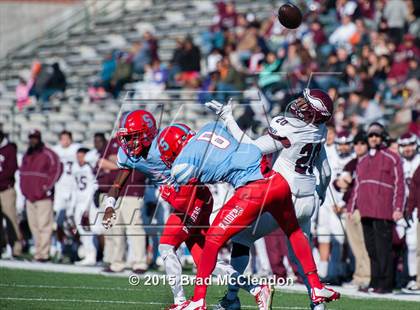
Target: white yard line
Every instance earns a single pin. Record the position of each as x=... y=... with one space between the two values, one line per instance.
x=50 y=267
x=116 y=302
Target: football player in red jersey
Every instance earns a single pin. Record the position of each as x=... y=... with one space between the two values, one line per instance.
x=138 y=150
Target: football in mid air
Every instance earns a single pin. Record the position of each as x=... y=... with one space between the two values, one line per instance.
x=290 y=16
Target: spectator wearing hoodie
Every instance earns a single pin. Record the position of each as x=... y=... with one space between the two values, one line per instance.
x=40 y=170
x=8 y=167
x=379 y=196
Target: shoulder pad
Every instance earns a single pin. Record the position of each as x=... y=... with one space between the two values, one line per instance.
x=280 y=127
x=184 y=173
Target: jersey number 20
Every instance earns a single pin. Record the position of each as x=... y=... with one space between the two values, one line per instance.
x=305 y=164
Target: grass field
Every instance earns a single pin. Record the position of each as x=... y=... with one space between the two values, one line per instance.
x=21 y=289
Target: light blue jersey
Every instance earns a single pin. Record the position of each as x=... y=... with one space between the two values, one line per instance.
x=213 y=155
x=152 y=167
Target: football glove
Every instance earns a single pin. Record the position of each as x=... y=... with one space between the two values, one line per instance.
x=224 y=111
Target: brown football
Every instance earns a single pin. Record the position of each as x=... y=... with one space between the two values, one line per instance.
x=290 y=16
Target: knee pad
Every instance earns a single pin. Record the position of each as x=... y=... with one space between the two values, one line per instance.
x=239 y=250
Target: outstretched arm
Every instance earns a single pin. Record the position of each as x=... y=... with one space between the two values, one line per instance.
x=265 y=143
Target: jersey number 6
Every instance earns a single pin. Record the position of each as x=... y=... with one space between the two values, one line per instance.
x=217 y=141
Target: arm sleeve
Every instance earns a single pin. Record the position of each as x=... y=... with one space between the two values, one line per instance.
x=324 y=170
x=11 y=163
x=55 y=169
x=352 y=204
x=266 y=144
x=413 y=195
x=399 y=186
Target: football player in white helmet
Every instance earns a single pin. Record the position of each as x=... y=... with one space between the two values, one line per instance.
x=330 y=223
x=407 y=147
x=299 y=136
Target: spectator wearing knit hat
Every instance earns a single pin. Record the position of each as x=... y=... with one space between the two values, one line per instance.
x=379 y=196
x=40 y=170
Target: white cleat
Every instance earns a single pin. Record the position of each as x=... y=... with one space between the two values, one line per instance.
x=263 y=296
x=86 y=262
x=194 y=305
x=325 y=294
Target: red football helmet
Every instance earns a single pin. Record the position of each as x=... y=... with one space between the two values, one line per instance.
x=315 y=106
x=137 y=131
x=171 y=141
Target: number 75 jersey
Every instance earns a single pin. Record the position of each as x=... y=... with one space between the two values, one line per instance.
x=213 y=155
x=296 y=160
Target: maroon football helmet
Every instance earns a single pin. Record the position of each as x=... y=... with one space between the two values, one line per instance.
x=315 y=106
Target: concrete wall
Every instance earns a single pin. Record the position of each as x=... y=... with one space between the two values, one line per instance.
x=24 y=20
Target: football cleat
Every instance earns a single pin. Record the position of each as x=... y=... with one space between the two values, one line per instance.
x=324 y=294
x=263 y=296
x=193 y=305
x=228 y=304
x=174 y=307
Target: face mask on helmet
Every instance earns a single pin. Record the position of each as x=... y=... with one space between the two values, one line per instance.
x=314 y=106
x=137 y=131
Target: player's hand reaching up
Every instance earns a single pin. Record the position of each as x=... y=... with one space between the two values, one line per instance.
x=109 y=217
x=224 y=111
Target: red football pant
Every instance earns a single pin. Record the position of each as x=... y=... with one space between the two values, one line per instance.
x=268 y=195
x=189 y=225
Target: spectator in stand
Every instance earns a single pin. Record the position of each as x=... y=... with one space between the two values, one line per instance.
x=189 y=64
x=270 y=79
x=152 y=43
x=353 y=225
x=40 y=170
x=395 y=14
x=22 y=93
x=412 y=204
x=142 y=56
x=122 y=74
x=108 y=68
x=227 y=16
x=343 y=33
x=56 y=82
x=379 y=196
x=8 y=167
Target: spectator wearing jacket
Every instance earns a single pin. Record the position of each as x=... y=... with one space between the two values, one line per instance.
x=40 y=170
x=8 y=167
x=413 y=202
x=379 y=197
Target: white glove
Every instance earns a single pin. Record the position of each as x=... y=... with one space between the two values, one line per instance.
x=224 y=111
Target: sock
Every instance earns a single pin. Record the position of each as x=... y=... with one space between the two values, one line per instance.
x=173 y=268
x=302 y=250
x=238 y=263
x=313 y=280
x=323 y=269
x=206 y=267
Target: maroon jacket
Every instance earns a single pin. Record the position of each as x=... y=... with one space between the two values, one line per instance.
x=39 y=172
x=350 y=167
x=135 y=185
x=379 y=185
x=106 y=178
x=8 y=164
x=414 y=194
